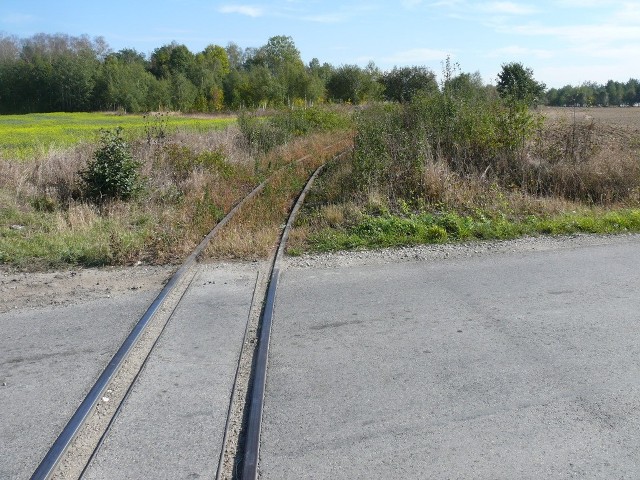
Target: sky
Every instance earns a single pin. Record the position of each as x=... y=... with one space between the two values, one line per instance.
x=562 y=41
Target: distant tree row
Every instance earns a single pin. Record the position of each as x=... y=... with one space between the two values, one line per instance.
x=58 y=72
x=594 y=94
x=46 y=73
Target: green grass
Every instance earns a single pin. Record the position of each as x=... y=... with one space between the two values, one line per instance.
x=31 y=241
x=390 y=230
x=23 y=136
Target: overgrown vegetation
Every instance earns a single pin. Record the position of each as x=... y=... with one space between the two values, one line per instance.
x=254 y=232
x=149 y=199
x=263 y=133
x=461 y=163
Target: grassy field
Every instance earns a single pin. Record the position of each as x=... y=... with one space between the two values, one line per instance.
x=26 y=136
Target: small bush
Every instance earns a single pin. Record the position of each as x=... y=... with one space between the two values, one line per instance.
x=112 y=173
x=43 y=204
x=436 y=234
x=183 y=161
x=262 y=134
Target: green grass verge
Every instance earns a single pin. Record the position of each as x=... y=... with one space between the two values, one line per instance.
x=31 y=241
x=390 y=230
x=23 y=136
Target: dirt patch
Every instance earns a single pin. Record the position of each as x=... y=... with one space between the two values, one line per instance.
x=612 y=116
x=20 y=290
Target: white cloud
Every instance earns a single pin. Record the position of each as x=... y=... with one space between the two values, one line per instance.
x=620 y=53
x=497 y=7
x=628 y=13
x=247 y=10
x=575 y=74
x=326 y=18
x=507 y=8
x=17 y=18
x=446 y=3
x=584 y=3
x=580 y=34
x=342 y=14
x=521 y=52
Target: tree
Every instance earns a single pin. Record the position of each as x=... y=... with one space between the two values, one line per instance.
x=350 y=83
x=124 y=83
x=631 y=92
x=281 y=57
x=235 y=55
x=215 y=59
x=615 y=90
x=183 y=93
x=515 y=82
x=323 y=72
x=402 y=84
x=171 y=59
x=129 y=55
x=345 y=84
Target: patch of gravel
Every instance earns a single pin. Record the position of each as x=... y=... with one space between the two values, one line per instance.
x=20 y=290
x=452 y=250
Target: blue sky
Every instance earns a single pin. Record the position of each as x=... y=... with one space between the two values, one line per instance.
x=563 y=41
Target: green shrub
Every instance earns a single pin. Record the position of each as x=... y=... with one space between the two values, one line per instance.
x=112 y=173
x=265 y=133
x=436 y=234
x=260 y=134
x=183 y=161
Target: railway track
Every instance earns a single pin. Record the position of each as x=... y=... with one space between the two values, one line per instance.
x=76 y=446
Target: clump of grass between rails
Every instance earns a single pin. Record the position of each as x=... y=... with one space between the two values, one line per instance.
x=253 y=233
x=404 y=185
x=189 y=181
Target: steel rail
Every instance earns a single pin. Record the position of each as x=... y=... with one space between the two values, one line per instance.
x=73 y=426
x=256 y=400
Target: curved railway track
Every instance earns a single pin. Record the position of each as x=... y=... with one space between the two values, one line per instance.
x=121 y=368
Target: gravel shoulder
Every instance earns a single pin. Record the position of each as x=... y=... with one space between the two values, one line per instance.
x=453 y=250
x=28 y=290
x=19 y=290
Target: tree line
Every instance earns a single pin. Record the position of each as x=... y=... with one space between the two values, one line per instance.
x=59 y=72
x=593 y=94
x=46 y=73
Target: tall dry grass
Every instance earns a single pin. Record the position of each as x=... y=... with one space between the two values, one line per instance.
x=254 y=232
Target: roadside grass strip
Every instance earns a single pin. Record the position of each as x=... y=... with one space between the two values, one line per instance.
x=431 y=228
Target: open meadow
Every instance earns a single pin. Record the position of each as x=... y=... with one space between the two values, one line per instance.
x=627 y=118
x=26 y=136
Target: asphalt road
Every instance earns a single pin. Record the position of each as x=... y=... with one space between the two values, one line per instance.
x=49 y=359
x=172 y=424
x=524 y=364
